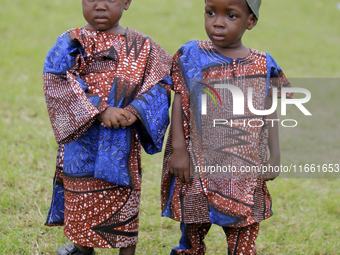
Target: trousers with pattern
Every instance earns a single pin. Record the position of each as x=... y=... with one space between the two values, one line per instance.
x=241 y=241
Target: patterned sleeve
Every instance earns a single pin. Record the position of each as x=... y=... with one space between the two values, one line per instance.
x=176 y=75
x=276 y=78
x=70 y=110
x=158 y=66
x=151 y=106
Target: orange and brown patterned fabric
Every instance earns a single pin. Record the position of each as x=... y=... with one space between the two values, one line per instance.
x=97 y=183
x=240 y=240
x=228 y=202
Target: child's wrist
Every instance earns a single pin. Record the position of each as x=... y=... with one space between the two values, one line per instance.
x=275 y=157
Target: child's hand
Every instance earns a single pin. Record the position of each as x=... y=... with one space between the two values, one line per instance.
x=180 y=165
x=271 y=166
x=128 y=121
x=113 y=117
x=270 y=176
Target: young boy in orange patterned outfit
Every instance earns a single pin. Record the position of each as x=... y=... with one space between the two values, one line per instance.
x=98 y=77
x=238 y=205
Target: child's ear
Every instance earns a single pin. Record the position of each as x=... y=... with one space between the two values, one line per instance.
x=252 y=21
x=127 y=4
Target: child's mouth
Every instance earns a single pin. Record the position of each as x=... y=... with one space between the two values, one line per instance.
x=101 y=19
x=218 y=37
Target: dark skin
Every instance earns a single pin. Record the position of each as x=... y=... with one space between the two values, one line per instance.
x=104 y=15
x=180 y=167
x=114 y=117
x=273 y=144
x=225 y=22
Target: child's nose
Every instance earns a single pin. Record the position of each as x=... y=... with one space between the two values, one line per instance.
x=101 y=5
x=219 y=22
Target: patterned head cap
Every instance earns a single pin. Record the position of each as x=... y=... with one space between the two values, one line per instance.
x=255 y=7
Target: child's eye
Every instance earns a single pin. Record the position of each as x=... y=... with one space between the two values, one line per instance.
x=210 y=13
x=231 y=16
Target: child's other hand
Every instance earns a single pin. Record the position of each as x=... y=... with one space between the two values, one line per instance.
x=272 y=166
x=113 y=117
x=270 y=176
x=180 y=165
x=128 y=121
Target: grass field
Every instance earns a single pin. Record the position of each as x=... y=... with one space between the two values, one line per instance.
x=304 y=38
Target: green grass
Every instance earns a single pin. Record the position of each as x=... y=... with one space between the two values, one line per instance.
x=303 y=36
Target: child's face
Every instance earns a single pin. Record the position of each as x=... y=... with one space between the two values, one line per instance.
x=104 y=15
x=226 y=21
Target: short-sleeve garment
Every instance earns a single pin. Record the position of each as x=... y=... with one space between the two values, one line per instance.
x=233 y=201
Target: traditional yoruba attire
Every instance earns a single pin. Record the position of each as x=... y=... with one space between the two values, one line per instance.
x=236 y=204
x=97 y=184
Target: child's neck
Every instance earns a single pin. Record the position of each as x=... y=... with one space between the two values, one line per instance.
x=234 y=52
x=114 y=30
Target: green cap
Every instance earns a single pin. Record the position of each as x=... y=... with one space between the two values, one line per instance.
x=255 y=7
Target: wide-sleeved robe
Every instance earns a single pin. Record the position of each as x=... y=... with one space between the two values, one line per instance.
x=98 y=174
